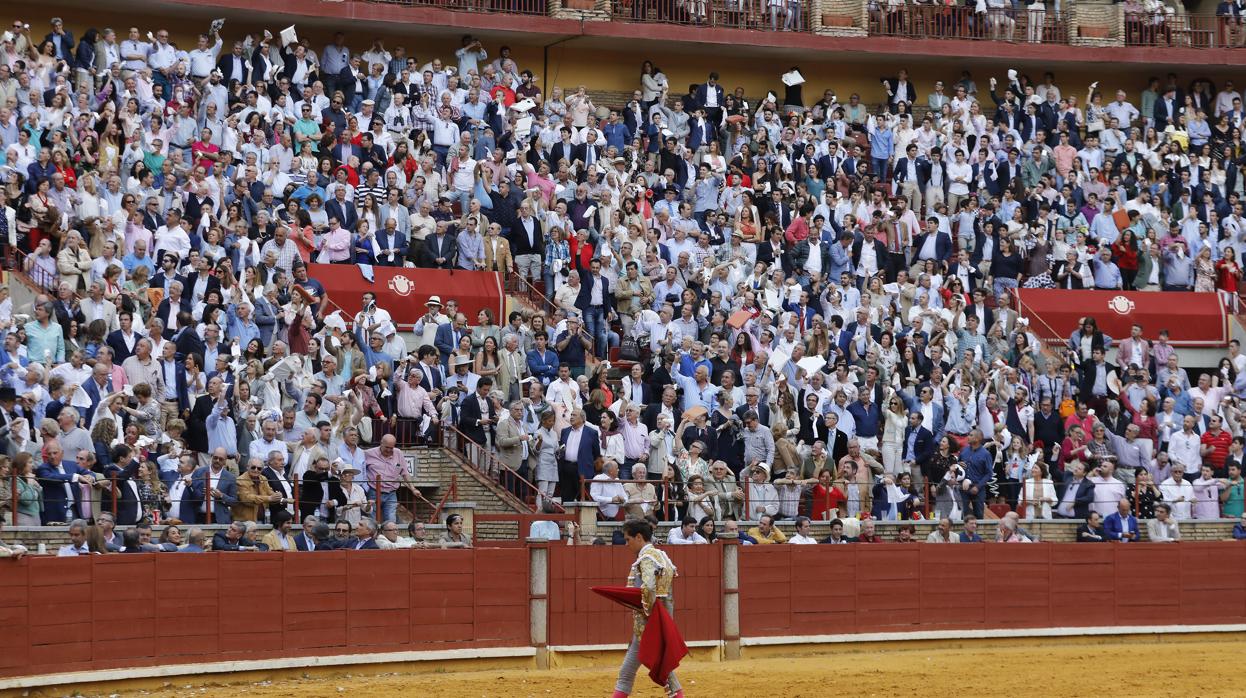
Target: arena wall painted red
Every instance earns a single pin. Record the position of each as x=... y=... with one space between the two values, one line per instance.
x=132 y=611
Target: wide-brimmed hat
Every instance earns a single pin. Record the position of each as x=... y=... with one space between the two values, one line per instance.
x=433 y=300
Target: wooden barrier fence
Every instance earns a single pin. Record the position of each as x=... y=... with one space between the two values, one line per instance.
x=133 y=611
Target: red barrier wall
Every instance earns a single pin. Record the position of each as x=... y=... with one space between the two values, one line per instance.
x=80 y=614
x=808 y=590
x=577 y=616
x=74 y=614
x=402 y=292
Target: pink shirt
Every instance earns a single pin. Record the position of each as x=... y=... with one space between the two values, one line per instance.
x=389 y=470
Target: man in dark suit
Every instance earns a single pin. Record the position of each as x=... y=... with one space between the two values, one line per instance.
x=213 y=482
x=233 y=539
x=918 y=445
x=979 y=307
x=596 y=302
x=201 y=281
x=1167 y=109
x=1080 y=497
x=62 y=40
x=899 y=89
x=527 y=244
x=197 y=425
x=122 y=341
x=342 y=209
x=344 y=150
x=446 y=339
x=365 y=536
x=235 y=66
x=129 y=506
x=320 y=492
x=389 y=238
x=1097 y=381
x=563 y=150
x=167 y=274
x=908 y=179
x=880 y=251
x=477 y=414
x=709 y=96
x=753 y=403
x=60 y=481
x=174 y=304
x=579 y=448
x=440 y=249
x=939 y=248
x=188 y=341
x=304 y=540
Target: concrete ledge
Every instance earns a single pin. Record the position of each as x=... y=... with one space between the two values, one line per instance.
x=988 y=634
x=283 y=663
x=622 y=647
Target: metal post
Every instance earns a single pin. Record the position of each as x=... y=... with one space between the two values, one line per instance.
x=113 y=478
x=15 y=497
x=731 y=595
x=297 y=515
x=378 y=499
x=208 y=502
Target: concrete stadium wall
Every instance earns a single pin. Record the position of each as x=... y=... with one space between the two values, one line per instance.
x=107 y=618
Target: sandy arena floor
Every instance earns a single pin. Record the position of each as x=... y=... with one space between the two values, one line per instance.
x=1191 y=667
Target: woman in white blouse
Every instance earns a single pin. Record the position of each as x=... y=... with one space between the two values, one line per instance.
x=1038 y=494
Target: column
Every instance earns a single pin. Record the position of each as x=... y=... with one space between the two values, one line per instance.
x=538 y=599
x=731 y=595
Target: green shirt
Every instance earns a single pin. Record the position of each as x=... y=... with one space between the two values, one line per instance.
x=1236 y=502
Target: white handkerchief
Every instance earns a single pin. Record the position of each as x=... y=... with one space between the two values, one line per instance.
x=793 y=78
x=288 y=36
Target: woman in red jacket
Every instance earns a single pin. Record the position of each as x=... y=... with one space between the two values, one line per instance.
x=1125 y=254
x=1228 y=277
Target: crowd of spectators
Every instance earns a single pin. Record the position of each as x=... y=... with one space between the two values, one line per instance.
x=810 y=297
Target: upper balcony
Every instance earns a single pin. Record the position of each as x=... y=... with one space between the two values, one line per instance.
x=1120 y=33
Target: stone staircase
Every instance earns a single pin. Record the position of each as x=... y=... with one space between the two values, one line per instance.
x=442 y=466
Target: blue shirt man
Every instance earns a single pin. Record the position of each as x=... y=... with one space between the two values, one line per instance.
x=979 y=466
x=1122 y=525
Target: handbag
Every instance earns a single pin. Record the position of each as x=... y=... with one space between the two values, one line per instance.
x=629 y=349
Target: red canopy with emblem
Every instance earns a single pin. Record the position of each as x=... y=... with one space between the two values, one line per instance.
x=1192 y=319
x=402 y=292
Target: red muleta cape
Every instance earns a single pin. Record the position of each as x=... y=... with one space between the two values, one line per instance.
x=661 y=645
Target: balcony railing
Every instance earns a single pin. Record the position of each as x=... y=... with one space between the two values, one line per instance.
x=518 y=7
x=943 y=22
x=764 y=15
x=1184 y=31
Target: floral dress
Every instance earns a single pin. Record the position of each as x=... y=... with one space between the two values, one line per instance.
x=1204 y=275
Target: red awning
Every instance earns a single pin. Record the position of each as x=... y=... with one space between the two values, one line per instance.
x=1192 y=319
x=403 y=292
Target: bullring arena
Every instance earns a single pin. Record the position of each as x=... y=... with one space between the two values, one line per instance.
x=883 y=620
x=895 y=272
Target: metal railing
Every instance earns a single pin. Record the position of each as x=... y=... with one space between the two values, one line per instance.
x=663 y=507
x=519 y=7
x=488 y=464
x=90 y=498
x=520 y=287
x=959 y=22
x=1184 y=31
x=23 y=267
x=760 y=15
